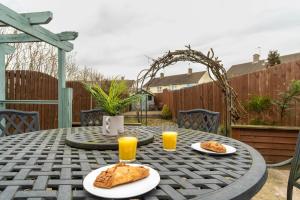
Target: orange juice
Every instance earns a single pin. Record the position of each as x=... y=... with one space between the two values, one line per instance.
x=169 y=140
x=127 y=148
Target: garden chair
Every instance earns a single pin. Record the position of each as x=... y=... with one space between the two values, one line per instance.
x=199 y=119
x=294 y=172
x=16 y=122
x=92 y=117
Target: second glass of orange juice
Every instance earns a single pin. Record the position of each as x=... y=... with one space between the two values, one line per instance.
x=127 y=148
x=169 y=137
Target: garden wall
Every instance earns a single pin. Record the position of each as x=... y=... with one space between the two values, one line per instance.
x=270 y=82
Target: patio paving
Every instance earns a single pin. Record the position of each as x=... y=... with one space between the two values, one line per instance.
x=275 y=187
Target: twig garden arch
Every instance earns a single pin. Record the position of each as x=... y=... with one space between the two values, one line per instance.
x=216 y=71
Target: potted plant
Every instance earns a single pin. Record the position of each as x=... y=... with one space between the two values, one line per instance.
x=113 y=102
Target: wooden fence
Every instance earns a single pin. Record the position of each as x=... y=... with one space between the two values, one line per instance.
x=269 y=82
x=30 y=85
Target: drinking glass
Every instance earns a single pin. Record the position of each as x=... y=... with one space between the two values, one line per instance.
x=169 y=137
x=127 y=146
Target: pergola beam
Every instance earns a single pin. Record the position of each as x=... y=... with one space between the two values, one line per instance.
x=35 y=18
x=23 y=37
x=21 y=23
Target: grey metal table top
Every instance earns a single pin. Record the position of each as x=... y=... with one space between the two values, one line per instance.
x=39 y=165
x=91 y=138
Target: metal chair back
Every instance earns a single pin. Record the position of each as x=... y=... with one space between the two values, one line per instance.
x=199 y=119
x=295 y=171
x=16 y=122
x=92 y=117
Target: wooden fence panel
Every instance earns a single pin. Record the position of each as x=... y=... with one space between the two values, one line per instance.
x=31 y=85
x=269 y=82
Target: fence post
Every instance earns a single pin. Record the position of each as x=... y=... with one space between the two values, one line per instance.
x=67 y=105
x=4 y=49
x=2 y=77
x=61 y=85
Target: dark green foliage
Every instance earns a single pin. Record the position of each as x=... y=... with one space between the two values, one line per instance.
x=258 y=105
x=286 y=99
x=166 y=113
x=115 y=100
x=273 y=58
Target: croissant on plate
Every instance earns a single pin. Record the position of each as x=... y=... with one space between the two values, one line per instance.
x=120 y=174
x=213 y=146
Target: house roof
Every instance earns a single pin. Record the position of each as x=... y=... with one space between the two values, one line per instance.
x=245 y=68
x=179 y=79
x=249 y=67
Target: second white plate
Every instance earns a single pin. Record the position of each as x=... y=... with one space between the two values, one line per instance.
x=229 y=149
x=123 y=191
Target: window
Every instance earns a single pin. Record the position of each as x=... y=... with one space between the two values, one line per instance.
x=149 y=98
x=159 y=88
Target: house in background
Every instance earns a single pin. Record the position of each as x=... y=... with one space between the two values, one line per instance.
x=257 y=65
x=176 y=82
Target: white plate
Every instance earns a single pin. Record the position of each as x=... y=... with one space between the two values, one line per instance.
x=122 y=191
x=229 y=149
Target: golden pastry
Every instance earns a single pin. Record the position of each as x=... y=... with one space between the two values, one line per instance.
x=120 y=174
x=213 y=146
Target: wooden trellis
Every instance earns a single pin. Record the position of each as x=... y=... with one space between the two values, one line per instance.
x=215 y=69
x=29 y=24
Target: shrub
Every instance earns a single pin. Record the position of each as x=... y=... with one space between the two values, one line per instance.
x=166 y=113
x=258 y=105
x=284 y=103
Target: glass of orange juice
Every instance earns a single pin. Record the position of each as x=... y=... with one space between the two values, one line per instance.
x=169 y=137
x=127 y=147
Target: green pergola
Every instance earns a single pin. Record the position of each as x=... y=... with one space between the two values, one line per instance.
x=29 y=24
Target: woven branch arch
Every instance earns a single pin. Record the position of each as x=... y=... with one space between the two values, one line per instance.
x=216 y=71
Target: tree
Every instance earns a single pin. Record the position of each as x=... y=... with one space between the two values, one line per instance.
x=42 y=57
x=273 y=58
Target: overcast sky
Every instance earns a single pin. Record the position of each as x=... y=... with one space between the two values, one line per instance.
x=117 y=36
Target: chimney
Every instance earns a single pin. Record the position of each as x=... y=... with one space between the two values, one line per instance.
x=122 y=78
x=255 y=58
x=162 y=75
x=190 y=71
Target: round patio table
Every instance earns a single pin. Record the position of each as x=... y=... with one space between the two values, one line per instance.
x=39 y=165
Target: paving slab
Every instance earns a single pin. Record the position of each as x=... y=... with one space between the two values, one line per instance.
x=276 y=185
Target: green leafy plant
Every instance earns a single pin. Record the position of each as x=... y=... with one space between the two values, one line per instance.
x=258 y=105
x=273 y=58
x=115 y=100
x=284 y=103
x=166 y=112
